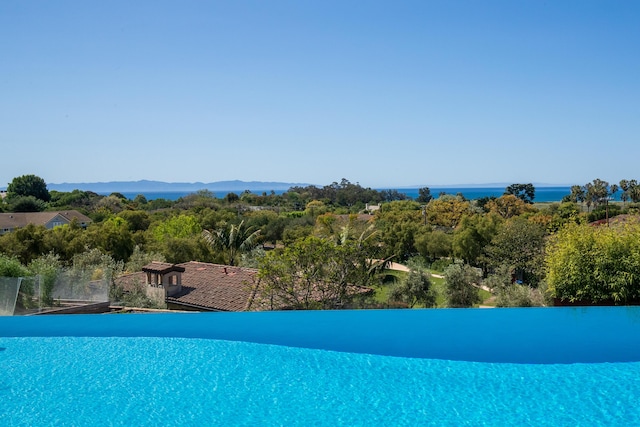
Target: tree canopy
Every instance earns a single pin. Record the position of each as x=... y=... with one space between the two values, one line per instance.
x=28 y=185
x=524 y=192
x=595 y=264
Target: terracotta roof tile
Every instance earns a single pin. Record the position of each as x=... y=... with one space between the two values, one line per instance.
x=215 y=287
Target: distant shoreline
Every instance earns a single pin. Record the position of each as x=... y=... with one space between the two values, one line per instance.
x=543 y=194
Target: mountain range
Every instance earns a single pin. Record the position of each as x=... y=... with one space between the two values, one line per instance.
x=159 y=186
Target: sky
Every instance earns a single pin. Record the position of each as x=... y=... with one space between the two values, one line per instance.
x=382 y=93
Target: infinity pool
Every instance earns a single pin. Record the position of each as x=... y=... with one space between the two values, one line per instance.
x=103 y=372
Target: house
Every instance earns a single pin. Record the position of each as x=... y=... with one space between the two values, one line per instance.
x=11 y=221
x=197 y=286
x=370 y=209
x=202 y=286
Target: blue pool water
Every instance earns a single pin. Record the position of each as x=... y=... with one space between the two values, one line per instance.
x=181 y=381
x=552 y=366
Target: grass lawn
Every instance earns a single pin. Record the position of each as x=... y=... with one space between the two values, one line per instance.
x=393 y=276
x=390 y=279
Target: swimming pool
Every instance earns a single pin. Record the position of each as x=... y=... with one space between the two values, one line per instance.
x=271 y=369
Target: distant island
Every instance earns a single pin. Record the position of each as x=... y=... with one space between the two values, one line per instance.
x=144 y=186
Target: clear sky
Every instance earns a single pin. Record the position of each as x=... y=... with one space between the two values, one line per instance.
x=383 y=93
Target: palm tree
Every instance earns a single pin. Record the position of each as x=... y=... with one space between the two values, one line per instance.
x=232 y=240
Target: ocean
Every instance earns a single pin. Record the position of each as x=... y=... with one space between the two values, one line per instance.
x=543 y=194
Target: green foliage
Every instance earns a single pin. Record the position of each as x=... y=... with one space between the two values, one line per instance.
x=76 y=199
x=231 y=198
x=630 y=190
x=139 y=259
x=316 y=274
x=11 y=267
x=180 y=226
x=415 y=288
x=113 y=237
x=510 y=294
x=447 y=211
x=24 y=243
x=343 y=194
x=424 y=195
x=441 y=264
x=136 y=296
x=28 y=185
x=48 y=267
x=184 y=249
x=398 y=224
x=519 y=296
x=519 y=244
x=473 y=234
x=508 y=206
x=26 y=204
x=459 y=289
x=524 y=192
x=602 y=212
x=95 y=265
x=136 y=220
x=112 y=204
x=232 y=240
x=595 y=264
x=66 y=241
x=563 y=213
x=594 y=193
x=434 y=244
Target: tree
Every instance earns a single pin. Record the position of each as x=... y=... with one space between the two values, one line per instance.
x=232 y=240
x=316 y=273
x=595 y=264
x=66 y=240
x=11 y=267
x=48 y=267
x=434 y=244
x=25 y=243
x=398 y=223
x=139 y=259
x=519 y=245
x=414 y=288
x=510 y=294
x=459 y=285
x=630 y=190
x=26 y=204
x=137 y=220
x=473 y=234
x=181 y=226
x=446 y=211
x=231 y=197
x=113 y=237
x=577 y=194
x=424 y=195
x=524 y=192
x=508 y=206
x=597 y=192
x=28 y=185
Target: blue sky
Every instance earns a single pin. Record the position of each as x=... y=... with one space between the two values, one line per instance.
x=384 y=93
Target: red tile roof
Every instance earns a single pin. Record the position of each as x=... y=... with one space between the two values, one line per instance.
x=206 y=286
x=216 y=287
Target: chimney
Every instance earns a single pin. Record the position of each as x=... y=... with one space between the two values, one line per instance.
x=225 y=270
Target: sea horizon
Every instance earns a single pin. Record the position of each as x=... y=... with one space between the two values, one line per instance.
x=542 y=194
